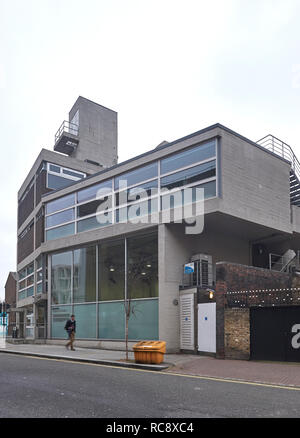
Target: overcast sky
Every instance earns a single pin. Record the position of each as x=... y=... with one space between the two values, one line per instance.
x=169 y=68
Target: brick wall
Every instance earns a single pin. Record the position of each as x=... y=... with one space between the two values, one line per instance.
x=233 y=323
x=237 y=333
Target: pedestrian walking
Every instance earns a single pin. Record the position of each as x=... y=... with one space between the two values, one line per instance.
x=71 y=329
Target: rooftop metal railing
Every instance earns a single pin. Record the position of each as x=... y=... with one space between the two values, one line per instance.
x=69 y=127
x=282 y=149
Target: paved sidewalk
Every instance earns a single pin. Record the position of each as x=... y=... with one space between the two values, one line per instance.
x=273 y=373
x=100 y=356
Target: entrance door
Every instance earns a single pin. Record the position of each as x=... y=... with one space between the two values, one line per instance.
x=187 y=338
x=207 y=327
x=275 y=333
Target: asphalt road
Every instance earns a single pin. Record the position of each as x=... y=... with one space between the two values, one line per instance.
x=42 y=388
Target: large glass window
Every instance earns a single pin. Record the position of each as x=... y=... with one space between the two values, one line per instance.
x=84 y=275
x=60 y=218
x=112 y=271
x=188 y=157
x=61 y=278
x=95 y=191
x=60 y=203
x=138 y=212
x=141 y=191
x=142 y=275
x=94 y=206
x=26 y=282
x=63 y=231
x=111 y=320
x=189 y=176
x=85 y=316
x=60 y=315
x=137 y=175
x=180 y=197
x=94 y=222
x=73 y=280
x=143 y=322
x=56 y=182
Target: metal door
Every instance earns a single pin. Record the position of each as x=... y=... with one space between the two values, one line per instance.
x=275 y=333
x=207 y=327
x=187 y=338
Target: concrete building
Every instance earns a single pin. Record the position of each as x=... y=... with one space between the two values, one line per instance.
x=87 y=241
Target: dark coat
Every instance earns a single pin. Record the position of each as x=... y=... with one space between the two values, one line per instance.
x=70 y=325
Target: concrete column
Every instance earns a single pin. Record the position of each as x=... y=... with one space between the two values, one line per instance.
x=172 y=254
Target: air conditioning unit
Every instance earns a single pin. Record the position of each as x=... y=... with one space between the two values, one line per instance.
x=203 y=270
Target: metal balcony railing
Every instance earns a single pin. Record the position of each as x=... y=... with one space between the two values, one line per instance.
x=68 y=127
x=282 y=149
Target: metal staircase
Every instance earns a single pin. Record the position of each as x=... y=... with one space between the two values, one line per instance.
x=282 y=149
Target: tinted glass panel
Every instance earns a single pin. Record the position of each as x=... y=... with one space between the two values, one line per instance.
x=54 y=168
x=111 y=271
x=61 y=278
x=56 y=182
x=135 y=193
x=143 y=323
x=176 y=199
x=85 y=316
x=98 y=221
x=61 y=203
x=60 y=218
x=84 y=275
x=22 y=295
x=137 y=212
x=29 y=291
x=39 y=262
x=22 y=273
x=189 y=176
x=56 y=233
x=142 y=272
x=188 y=157
x=60 y=315
x=30 y=280
x=72 y=173
x=22 y=284
x=96 y=191
x=94 y=206
x=136 y=176
x=111 y=321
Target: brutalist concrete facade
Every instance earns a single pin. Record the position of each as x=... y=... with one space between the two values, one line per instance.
x=251 y=206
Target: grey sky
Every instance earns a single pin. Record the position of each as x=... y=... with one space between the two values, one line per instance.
x=168 y=68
